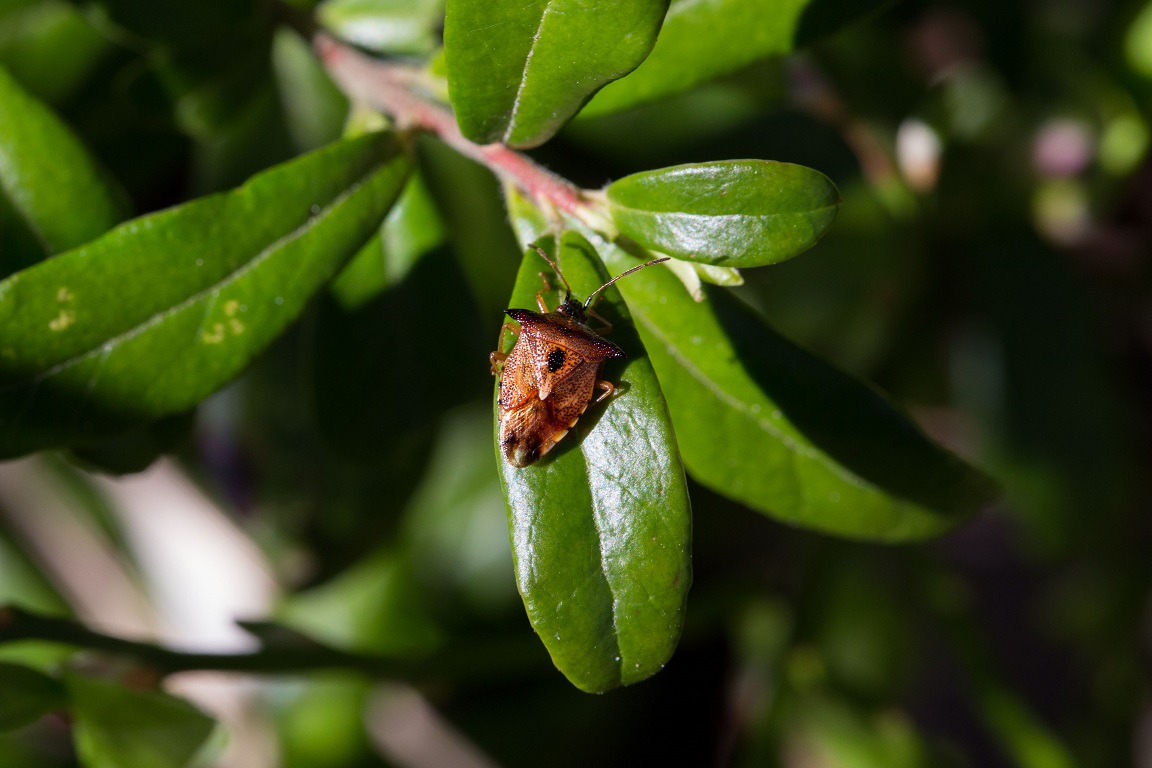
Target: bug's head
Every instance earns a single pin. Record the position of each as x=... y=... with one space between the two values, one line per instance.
x=573 y=309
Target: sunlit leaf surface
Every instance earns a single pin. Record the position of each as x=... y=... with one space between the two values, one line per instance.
x=518 y=71
x=163 y=310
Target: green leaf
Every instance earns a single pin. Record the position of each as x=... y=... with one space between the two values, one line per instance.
x=703 y=39
x=115 y=727
x=25 y=695
x=768 y=424
x=52 y=182
x=385 y=26
x=160 y=312
x=734 y=213
x=518 y=71
x=375 y=607
x=601 y=526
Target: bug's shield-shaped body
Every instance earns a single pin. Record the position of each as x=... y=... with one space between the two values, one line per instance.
x=547 y=382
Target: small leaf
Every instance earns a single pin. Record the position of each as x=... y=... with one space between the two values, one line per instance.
x=601 y=526
x=518 y=71
x=116 y=727
x=51 y=180
x=160 y=312
x=385 y=26
x=766 y=423
x=26 y=695
x=734 y=213
x=727 y=276
x=703 y=39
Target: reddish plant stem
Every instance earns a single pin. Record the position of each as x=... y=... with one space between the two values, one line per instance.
x=392 y=89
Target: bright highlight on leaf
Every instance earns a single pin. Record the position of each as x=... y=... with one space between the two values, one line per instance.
x=163 y=310
x=518 y=71
x=601 y=526
x=732 y=213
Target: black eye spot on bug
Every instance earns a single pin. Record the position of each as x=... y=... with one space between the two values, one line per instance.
x=540 y=400
x=555 y=360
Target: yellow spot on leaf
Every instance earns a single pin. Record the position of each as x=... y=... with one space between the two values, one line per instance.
x=62 y=320
x=236 y=326
x=216 y=335
x=230 y=307
x=64 y=295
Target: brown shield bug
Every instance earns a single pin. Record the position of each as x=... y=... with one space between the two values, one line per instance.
x=547 y=380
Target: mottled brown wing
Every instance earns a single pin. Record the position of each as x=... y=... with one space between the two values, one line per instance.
x=570 y=397
x=554 y=361
x=559 y=345
x=529 y=431
x=519 y=379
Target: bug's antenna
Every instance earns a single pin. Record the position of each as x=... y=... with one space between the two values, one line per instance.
x=552 y=264
x=588 y=301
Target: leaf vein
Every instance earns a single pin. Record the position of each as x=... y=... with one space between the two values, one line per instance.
x=214 y=288
x=795 y=447
x=524 y=76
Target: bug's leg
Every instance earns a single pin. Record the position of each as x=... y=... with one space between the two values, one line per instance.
x=499 y=356
x=607 y=328
x=608 y=387
x=543 y=305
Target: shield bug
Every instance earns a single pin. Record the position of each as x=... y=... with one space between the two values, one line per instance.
x=548 y=378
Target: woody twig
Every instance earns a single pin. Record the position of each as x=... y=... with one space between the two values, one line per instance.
x=395 y=90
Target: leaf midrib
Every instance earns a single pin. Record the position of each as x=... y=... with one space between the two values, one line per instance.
x=524 y=75
x=160 y=316
x=727 y=216
x=794 y=447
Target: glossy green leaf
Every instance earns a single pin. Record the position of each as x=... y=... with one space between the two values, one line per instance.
x=734 y=213
x=703 y=39
x=385 y=26
x=51 y=181
x=766 y=423
x=25 y=695
x=154 y=316
x=601 y=525
x=116 y=727
x=518 y=71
